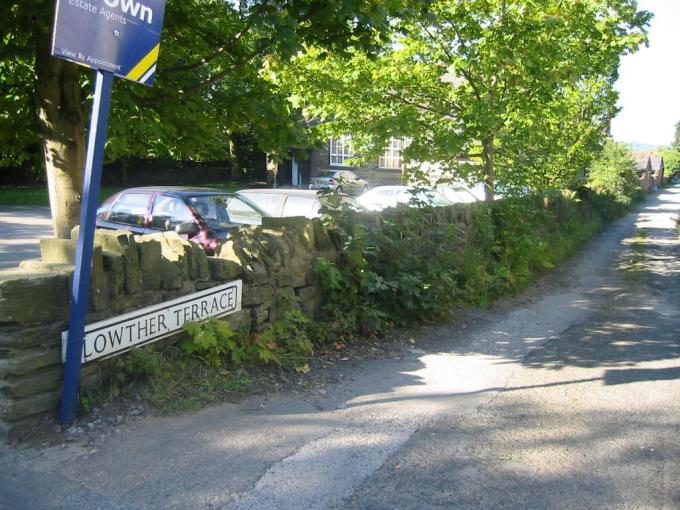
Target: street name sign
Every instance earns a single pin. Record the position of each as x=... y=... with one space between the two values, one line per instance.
x=118 y=36
x=119 y=334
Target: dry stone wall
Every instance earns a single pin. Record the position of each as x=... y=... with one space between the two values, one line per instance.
x=275 y=262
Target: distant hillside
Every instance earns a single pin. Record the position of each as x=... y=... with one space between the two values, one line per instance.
x=643 y=147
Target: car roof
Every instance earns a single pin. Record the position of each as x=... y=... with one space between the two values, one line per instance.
x=288 y=192
x=281 y=191
x=179 y=190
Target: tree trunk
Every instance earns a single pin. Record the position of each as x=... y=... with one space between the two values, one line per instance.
x=489 y=173
x=233 y=156
x=59 y=108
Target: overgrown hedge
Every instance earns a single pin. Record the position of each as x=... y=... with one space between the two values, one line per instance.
x=412 y=264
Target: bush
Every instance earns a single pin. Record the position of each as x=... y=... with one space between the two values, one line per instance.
x=407 y=265
x=615 y=173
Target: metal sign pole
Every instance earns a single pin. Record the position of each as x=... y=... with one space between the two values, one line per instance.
x=81 y=276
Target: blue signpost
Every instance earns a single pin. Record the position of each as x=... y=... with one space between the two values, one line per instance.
x=117 y=38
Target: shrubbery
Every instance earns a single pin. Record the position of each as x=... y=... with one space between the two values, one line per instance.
x=412 y=264
x=615 y=173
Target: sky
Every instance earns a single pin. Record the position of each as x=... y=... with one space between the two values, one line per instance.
x=649 y=81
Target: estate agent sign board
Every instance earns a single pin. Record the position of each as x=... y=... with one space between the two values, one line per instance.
x=115 y=38
x=118 y=36
x=119 y=334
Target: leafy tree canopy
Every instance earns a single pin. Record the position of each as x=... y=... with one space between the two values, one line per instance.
x=209 y=80
x=507 y=83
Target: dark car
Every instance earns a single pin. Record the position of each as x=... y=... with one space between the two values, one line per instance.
x=203 y=215
x=297 y=202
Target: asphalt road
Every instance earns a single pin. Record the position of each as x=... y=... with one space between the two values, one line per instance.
x=565 y=397
x=20 y=231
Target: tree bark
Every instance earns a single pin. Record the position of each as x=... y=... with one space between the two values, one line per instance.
x=489 y=172
x=235 y=173
x=59 y=109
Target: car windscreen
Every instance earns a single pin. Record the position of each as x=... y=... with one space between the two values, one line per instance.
x=221 y=211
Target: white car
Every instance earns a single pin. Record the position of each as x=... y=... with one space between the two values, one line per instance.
x=462 y=194
x=296 y=202
x=383 y=197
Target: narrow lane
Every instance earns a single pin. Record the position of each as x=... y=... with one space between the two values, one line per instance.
x=590 y=419
x=20 y=231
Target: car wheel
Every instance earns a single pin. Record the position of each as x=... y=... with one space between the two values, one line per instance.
x=339 y=189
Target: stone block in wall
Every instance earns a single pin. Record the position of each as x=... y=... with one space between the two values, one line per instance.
x=322 y=240
x=46 y=380
x=176 y=250
x=258 y=295
x=279 y=241
x=123 y=303
x=239 y=321
x=284 y=300
x=172 y=275
x=255 y=274
x=295 y=275
x=28 y=297
x=310 y=299
x=21 y=362
x=114 y=267
x=200 y=260
x=58 y=256
x=99 y=288
x=28 y=337
x=299 y=230
x=312 y=275
x=58 y=251
x=44 y=267
x=15 y=409
x=223 y=269
x=123 y=242
x=230 y=250
x=150 y=253
x=175 y=263
x=259 y=315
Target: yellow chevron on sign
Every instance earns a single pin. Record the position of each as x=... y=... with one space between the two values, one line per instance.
x=144 y=65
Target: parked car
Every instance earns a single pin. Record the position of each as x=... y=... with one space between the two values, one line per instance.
x=383 y=197
x=203 y=215
x=461 y=193
x=342 y=181
x=296 y=202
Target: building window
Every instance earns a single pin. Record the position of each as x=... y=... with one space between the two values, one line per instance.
x=392 y=157
x=341 y=150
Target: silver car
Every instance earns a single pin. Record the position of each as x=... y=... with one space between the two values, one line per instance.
x=342 y=181
x=296 y=202
x=383 y=197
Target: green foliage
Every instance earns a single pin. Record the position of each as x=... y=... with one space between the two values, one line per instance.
x=522 y=90
x=213 y=340
x=209 y=363
x=285 y=342
x=671 y=161
x=407 y=265
x=169 y=380
x=676 y=139
x=615 y=173
x=209 y=82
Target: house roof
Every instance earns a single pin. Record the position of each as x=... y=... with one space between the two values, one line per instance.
x=657 y=163
x=643 y=163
